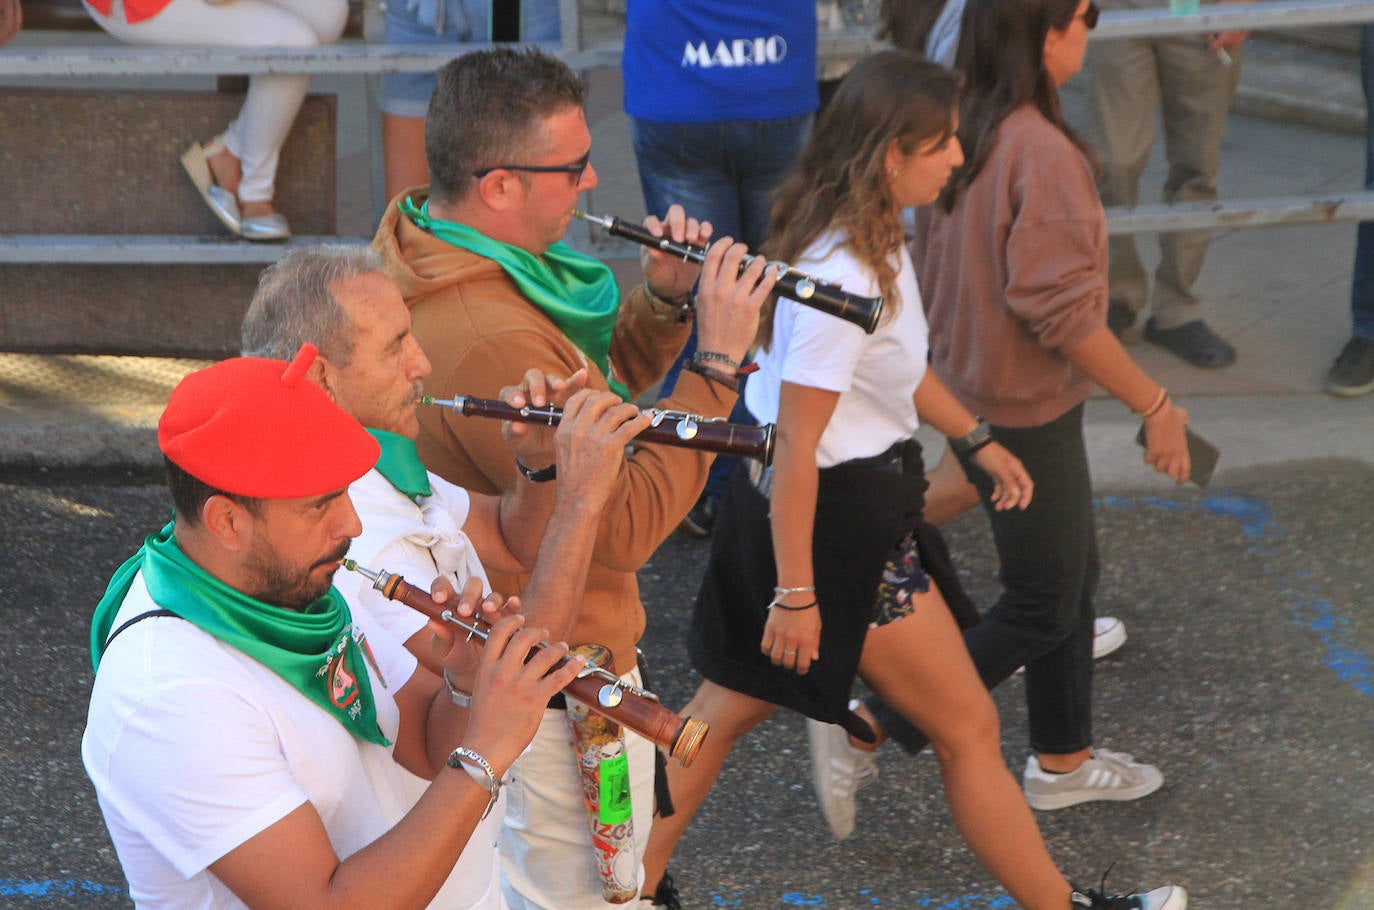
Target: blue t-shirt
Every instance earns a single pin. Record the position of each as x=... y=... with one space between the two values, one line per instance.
x=694 y=61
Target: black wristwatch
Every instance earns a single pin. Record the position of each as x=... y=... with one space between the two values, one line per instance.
x=540 y=476
x=974 y=440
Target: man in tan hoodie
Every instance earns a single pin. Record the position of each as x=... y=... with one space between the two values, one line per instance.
x=494 y=292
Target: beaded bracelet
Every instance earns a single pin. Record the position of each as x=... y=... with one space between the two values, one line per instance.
x=680 y=309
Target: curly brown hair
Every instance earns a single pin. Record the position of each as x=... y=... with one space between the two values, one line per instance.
x=839 y=182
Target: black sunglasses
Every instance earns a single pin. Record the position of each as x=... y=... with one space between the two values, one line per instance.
x=1091 y=14
x=576 y=168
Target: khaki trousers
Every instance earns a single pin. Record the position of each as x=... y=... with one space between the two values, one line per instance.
x=1130 y=81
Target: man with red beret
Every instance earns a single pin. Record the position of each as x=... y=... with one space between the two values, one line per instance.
x=417 y=524
x=245 y=720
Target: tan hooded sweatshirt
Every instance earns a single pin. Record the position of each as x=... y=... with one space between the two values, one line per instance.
x=480 y=333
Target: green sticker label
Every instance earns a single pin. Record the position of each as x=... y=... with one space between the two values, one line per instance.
x=615 y=790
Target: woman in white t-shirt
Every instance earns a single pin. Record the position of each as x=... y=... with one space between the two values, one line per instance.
x=821 y=568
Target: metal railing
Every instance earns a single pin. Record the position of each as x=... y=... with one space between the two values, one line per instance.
x=364 y=59
x=375 y=59
x=343 y=58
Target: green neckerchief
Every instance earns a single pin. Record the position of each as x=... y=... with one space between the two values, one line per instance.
x=313 y=649
x=577 y=292
x=400 y=464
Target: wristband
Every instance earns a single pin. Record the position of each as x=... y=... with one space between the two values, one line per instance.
x=543 y=475
x=966 y=445
x=804 y=589
x=716 y=357
x=797 y=609
x=712 y=374
x=1160 y=400
x=456 y=695
x=463 y=755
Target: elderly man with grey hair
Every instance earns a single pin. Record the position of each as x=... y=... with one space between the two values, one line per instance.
x=415 y=523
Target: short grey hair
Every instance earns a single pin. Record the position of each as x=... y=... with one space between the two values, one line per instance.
x=293 y=304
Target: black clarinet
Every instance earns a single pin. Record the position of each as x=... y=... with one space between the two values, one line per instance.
x=672 y=428
x=792 y=284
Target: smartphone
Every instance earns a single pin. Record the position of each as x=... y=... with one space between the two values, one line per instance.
x=1202 y=455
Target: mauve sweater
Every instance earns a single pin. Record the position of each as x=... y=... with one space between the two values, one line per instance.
x=1016 y=276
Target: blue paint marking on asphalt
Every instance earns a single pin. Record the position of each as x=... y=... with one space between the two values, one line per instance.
x=987 y=901
x=1343 y=656
x=1349 y=663
x=1256 y=520
x=40 y=889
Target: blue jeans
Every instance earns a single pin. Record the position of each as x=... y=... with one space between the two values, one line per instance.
x=466 y=21
x=1049 y=568
x=725 y=172
x=1362 y=283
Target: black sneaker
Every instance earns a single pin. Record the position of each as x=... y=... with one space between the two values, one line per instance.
x=665 y=895
x=1352 y=375
x=1170 y=897
x=701 y=519
x=1165 y=898
x=1195 y=342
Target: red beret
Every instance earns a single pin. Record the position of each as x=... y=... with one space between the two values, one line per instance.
x=257 y=427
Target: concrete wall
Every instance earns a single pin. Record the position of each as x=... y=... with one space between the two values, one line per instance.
x=83 y=161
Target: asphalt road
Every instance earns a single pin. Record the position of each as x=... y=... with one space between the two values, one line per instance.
x=1247 y=677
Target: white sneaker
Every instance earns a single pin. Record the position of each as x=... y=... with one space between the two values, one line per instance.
x=1106 y=776
x=1170 y=897
x=1109 y=634
x=838 y=771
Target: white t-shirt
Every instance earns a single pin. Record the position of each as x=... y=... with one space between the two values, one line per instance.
x=876 y=375
x=419 y=542
x=194 y=748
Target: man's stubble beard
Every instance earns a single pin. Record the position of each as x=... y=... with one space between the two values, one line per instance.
x=286 y=586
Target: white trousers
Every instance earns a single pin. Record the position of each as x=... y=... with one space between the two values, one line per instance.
x=546 y=847
x=256 y=135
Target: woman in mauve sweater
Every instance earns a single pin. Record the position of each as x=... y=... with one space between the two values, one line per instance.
x=1012 y=261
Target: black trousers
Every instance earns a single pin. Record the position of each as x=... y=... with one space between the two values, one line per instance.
x=1049 y=570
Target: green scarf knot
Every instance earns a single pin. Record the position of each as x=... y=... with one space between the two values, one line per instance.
x=400 y=464
x=578 y=293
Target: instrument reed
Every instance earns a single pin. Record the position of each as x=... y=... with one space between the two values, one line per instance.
x=673 y=428
x=597 y=688
x=792 y=284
